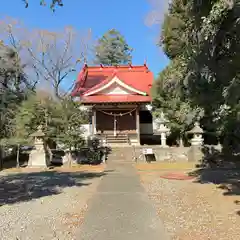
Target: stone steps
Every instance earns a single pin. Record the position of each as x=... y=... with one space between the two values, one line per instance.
x=118 y=139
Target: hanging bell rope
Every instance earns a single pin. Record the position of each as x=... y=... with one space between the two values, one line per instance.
x=117 y=114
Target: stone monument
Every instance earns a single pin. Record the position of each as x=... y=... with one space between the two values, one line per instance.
x=195 y=152
x=38 y=157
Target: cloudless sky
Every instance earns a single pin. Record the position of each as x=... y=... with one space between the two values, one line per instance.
x=127 y=16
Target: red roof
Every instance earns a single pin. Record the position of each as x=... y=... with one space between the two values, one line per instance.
x=92 y=78
x=116 y=99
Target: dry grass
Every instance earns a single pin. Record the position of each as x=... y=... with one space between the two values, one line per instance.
x=74 y=168
x=73 y=220
x=85 y=168
x=158 y=166
x=191 y=210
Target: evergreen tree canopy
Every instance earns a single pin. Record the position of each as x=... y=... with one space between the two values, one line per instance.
x=204 y=38
x=13 y=88
x=61 y=120
x=174 y=30
x=112 y=49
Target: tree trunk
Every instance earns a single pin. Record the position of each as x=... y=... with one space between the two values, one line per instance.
x=18 y=150
x=1 y=158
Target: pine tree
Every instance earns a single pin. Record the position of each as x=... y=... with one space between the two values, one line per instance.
x=112 y=49
x=204 y=37
x=13 y=87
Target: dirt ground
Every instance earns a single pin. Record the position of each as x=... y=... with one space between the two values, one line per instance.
x=205 y=207
x=46 y=203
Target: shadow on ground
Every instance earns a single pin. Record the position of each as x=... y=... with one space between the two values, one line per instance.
x=219 y=169
x=20 y=187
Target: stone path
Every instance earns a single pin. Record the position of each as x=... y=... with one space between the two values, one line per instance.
x=120 y=209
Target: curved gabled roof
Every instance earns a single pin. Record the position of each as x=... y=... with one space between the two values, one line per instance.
x=92 y=79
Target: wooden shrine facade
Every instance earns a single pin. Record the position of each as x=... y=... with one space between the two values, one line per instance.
x=118 y=97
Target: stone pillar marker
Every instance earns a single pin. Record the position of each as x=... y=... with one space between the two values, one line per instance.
x=38 y=157
x=138 y=125
x=195 y=153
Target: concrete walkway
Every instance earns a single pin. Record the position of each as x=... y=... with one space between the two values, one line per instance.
x=121 y=210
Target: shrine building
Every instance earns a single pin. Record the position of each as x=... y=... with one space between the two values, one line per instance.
x=118 y=99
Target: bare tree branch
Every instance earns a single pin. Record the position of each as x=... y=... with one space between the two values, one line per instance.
x=49 y=56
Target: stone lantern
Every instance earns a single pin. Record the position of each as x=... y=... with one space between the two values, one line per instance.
x=162 y=129
x=197 y=132
x=38 y=157
x=195 y=153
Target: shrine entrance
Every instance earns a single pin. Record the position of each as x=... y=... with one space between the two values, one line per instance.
x=116 y=122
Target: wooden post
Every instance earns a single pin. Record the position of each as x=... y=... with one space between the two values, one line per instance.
x=18 y=150
x=114 y=126
x=1 y=157
x=93 y=121
x=138 y=125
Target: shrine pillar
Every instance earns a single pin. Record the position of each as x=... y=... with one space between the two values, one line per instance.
x=137 y=125
x=94 y=118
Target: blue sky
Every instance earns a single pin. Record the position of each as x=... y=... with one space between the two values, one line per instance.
x=127 y=16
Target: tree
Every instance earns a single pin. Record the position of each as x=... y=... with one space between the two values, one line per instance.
x=61 y=120
x=43 y=57
x=174 y=37
x=70 y=132
x=50 y=58
x=169 y=94
x=112 y=49
x=53 y=3
x=169 y=97
x=209 y=54
x=13 y=87
x=215 y=67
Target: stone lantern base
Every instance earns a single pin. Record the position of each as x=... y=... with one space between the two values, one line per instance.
x=195 y=154
x=38 y=159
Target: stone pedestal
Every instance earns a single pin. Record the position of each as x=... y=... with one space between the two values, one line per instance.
x=195 y=154
x=163 y=139
x=38 y=159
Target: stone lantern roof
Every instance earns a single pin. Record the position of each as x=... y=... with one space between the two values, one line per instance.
x=163 y=129
x=196 y=129
x=38 y=133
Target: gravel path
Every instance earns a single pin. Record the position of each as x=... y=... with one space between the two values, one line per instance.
x=49 y=217
x=193 y=211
